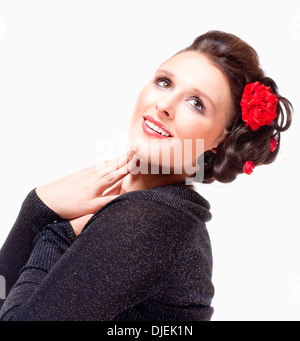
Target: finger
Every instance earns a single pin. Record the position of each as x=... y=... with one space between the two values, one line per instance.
x=114 y=190
x=133 y=164
x=79 y=223
x=102 y=201
x=108 y=166
x=108 y=180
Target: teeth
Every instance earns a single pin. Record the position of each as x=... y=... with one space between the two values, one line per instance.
x=156 y=128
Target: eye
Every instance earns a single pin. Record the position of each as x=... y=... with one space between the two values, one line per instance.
x=164 y=83
x=196 y=103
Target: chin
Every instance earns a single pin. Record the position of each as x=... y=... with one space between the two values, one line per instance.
x=159 y=156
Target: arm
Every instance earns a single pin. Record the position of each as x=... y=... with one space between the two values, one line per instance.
x=77 y=197
x=120 y=259
x=14 y=254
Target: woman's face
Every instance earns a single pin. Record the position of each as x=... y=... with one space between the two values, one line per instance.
x=189 y=100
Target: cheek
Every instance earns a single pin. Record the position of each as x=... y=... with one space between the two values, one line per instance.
x=137 y=112
x=198 y=128
x=145 y=100
x=192 y=128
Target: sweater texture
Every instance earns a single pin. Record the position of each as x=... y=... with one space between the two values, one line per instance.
x=144 y=256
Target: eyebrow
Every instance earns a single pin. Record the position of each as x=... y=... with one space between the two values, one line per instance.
x=199 y=92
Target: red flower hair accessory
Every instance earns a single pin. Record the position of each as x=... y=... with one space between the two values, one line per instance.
x=248 y=167
x=259 y=105
x=273 y=144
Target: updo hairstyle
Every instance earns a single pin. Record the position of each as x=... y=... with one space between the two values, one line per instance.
x=240 y=64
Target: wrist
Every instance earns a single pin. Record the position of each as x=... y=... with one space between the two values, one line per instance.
x=37 y=213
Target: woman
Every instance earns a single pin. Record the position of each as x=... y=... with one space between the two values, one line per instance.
x=113 y=242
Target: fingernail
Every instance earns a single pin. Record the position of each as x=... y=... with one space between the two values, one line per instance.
x=132 y=164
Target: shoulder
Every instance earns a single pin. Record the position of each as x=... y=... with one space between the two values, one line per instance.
x=159 y=210
x=138 y=216
x=136 y=234
x=170 y=198
x=157 y=225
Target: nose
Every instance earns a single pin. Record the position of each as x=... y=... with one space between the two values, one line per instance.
x=165 y=109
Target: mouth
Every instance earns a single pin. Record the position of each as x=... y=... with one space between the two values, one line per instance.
x=154 y=128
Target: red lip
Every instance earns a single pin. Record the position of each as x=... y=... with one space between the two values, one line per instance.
x=151 y=119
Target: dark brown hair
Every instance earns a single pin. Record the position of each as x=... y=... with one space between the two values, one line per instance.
x=240 y=64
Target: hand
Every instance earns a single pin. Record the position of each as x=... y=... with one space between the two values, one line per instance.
x=81 y=193
x=79 y=223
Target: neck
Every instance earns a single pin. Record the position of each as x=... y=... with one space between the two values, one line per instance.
x=141 y=181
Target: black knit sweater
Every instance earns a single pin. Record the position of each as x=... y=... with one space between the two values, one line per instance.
x=145 y=256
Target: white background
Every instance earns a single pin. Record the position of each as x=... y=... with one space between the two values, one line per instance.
x=70 y=72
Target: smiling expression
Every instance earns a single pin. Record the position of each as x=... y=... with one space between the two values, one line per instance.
x=188 y=99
